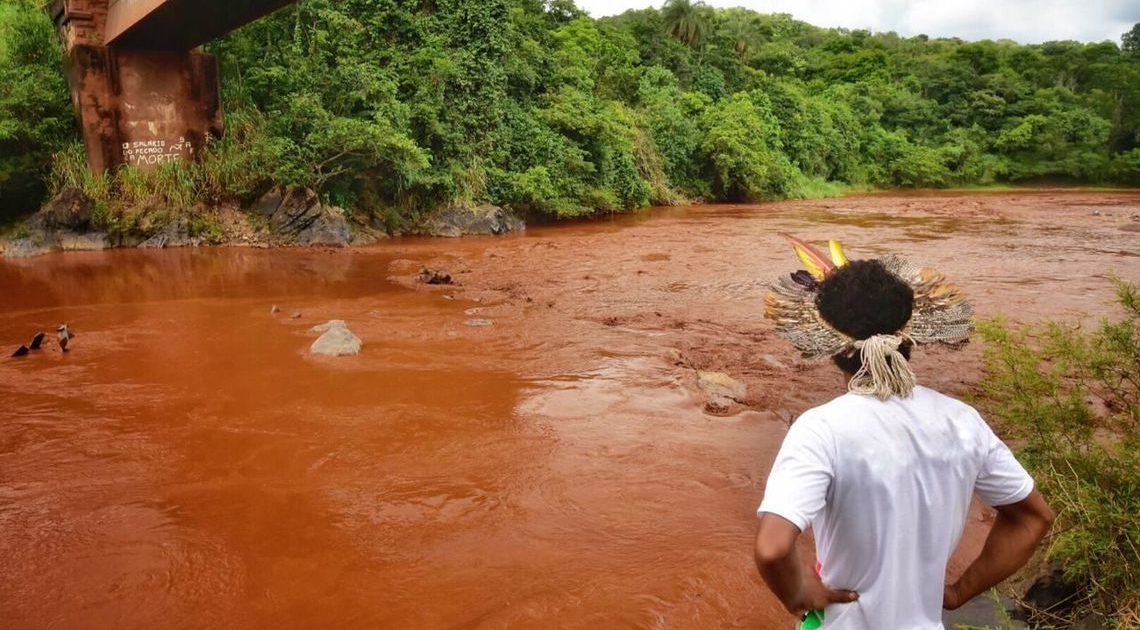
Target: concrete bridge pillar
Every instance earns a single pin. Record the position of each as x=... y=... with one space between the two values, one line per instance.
x=138 y=106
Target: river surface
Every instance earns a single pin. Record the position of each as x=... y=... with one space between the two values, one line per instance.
x=188 y=465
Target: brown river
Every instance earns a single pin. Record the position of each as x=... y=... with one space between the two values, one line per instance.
x=526 y=449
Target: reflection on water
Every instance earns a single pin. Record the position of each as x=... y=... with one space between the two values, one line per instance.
x=188 y=464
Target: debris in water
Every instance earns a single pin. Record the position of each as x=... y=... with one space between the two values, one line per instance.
x=431 y=276
x=296 y=315
x=22 y=351
x=37 y=341
x=64 y=336
x=275 y=310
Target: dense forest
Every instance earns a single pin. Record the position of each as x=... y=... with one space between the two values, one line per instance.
x=395 y=108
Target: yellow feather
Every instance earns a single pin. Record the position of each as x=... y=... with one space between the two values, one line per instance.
x=837 y=255
x=814 y=262
x=809 y=262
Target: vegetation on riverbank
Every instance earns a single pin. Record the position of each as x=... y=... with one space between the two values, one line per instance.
x=1070 y=401
x=393 y=110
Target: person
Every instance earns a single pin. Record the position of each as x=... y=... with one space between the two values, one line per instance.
x=884 y=474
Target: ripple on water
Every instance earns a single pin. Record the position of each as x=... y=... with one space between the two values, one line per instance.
x=119 y=564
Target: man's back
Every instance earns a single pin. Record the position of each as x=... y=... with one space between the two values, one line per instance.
x=886 y=486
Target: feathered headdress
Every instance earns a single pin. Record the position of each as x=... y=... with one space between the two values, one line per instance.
x=941 y=314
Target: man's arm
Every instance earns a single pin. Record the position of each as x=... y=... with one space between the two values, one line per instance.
x=782 y=570
x=1018 y=529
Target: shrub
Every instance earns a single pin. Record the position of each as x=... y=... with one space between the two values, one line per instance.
x=744 y=152
x=36 y=119
x=1070 y=403
x=1126 y=167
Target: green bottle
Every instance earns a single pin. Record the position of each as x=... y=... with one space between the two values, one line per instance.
x=813 y=620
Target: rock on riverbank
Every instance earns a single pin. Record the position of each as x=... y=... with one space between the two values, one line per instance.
x=296 y=216
x=68 y=223
x=281 y=217
x=464 y=220
x=64 y=223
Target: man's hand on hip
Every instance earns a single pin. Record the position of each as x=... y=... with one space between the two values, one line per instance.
x=815 y=596
x=798 y=590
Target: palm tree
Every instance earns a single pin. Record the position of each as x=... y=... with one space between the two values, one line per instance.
x=685 y=20
x=740 y=33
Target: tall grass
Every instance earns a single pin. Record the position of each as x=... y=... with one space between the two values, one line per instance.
x=70 y=170
x=235 y=169
x=1069 y=401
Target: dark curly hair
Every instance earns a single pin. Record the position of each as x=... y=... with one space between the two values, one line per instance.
x=862 y=299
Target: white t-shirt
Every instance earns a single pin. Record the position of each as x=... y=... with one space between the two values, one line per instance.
x=886 y=486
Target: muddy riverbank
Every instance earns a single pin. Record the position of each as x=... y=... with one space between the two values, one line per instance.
x=528 y=447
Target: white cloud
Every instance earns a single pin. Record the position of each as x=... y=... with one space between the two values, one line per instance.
x=1026 y=21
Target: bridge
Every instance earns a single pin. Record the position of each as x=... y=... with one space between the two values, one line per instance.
x=143 y=90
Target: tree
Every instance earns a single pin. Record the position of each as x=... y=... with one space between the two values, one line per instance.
x=742 y=142
x=1130 y=41
x=36 y=119
x=686 y=21
x=394 y=108
x=741 y=34
x=671 y=117
x=563 y=11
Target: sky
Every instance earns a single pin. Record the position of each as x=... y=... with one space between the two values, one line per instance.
x=1025 y=21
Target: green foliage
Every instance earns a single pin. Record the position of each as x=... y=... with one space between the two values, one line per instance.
x=742 y=142
x=1071 y=402
x=671 y=117
x=740 y=33
x=171 y=185
x=1126 y=167
x=1130 y=41
x=686 y=21
x=69 y=170
x=315 y=106
x=538 y=107
x=1056 y=138
x=395 y=108
x=35 y=112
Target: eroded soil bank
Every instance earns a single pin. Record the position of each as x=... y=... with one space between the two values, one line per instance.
x=528 y=448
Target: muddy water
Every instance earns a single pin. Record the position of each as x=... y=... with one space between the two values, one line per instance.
x=188 y=465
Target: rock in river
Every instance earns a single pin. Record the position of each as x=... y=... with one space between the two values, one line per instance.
x=484 y=219
x=336 y=341
x=721 y=389
x=329 y=325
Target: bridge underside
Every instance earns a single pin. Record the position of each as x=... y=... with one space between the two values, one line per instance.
x=179 y=24
x=144 y=94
